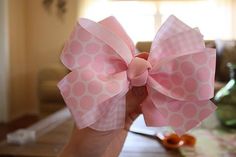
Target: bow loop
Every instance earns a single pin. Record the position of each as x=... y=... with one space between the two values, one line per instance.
x=89 y=96
x=189 y=77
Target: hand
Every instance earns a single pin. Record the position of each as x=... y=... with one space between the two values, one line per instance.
x=89 y=143
x=134 y=98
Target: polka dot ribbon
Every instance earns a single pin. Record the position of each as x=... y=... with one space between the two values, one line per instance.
x=178 y=73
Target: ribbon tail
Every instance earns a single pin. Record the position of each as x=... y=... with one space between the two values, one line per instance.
x=152 y=116
x=195 y=115
x=114 y=116
x=180 y=115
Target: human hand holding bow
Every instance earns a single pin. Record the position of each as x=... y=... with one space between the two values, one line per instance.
x=89 y=143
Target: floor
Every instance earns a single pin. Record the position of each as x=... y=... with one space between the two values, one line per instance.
x=21 y=122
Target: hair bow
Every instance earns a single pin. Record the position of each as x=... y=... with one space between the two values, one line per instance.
x=178 y=73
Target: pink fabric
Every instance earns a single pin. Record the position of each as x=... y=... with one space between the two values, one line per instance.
x=138 y=71
x=179 y=75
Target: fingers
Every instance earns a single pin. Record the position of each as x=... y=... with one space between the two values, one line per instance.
x=133 y=100
x=135 y=97
x=139 y=92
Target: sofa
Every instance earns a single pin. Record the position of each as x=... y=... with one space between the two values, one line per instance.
x=50 y=99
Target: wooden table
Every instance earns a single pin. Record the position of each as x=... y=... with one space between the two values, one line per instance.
x=51 y=143
x=48 y=145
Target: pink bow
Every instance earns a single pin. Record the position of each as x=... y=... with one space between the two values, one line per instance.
x=179 y=75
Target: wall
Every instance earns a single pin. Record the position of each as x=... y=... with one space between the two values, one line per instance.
x=234 y=18
x=36 y=37
x=4 y=60
x=17 y=47
x=46 y=33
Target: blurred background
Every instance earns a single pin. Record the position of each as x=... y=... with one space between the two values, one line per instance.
x=33 y=32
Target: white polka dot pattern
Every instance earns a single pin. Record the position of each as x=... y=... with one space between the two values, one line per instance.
x=83 y=50
x=188 y=77
x=96 y=76
x=179 y=76
x=88 y=94
x=180 y=115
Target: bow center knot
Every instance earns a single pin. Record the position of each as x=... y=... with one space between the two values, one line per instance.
x=138 y=70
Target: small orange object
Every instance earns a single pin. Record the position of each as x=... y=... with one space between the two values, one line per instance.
x=170 y=140
x=173 y=141
x=189 y=140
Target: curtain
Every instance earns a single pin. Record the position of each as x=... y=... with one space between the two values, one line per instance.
x=215 y=18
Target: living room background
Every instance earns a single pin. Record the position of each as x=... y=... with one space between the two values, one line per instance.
x=35 y=37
